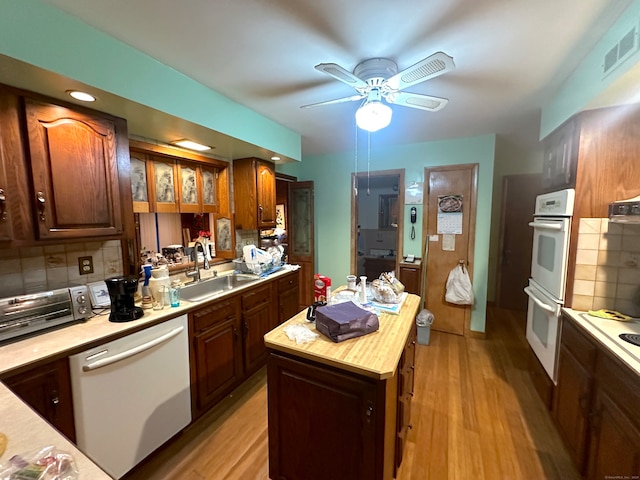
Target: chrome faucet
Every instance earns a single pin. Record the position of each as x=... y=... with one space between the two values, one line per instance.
x=205 y=264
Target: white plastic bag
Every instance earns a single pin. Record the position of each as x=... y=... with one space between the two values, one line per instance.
x=459 y=289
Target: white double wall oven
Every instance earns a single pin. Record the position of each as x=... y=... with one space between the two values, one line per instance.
x=549 y=260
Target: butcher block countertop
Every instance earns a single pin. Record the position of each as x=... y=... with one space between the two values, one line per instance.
x=375 y=355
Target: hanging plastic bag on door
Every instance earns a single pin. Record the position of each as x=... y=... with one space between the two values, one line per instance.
x=459 y=288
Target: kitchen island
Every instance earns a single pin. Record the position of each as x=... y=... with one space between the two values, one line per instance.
x=341 y=410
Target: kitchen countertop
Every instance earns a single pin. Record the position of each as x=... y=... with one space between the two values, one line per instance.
x=606 y=333
x=375 y=355
x=27 y=432
x=97 y=329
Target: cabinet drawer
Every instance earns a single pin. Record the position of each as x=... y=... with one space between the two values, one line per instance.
x=286 y=283
x=209 y=316
x=576 y=342
x=255 y=297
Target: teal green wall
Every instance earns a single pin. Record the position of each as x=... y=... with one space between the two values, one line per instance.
x=36 y=33
x=587 y=81
x=332 y=177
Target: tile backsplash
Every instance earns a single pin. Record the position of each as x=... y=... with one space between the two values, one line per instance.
x=607 y=271
x=35 y=269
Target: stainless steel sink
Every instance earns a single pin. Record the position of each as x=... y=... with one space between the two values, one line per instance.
x=212 y=287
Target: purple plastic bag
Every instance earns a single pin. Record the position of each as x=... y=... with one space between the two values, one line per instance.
x=345 y=320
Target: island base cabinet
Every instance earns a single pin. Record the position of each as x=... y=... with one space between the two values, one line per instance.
x=324 y=423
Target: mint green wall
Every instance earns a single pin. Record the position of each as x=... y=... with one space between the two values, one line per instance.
x=34 y=32
x=587 y=80
x=332 y=177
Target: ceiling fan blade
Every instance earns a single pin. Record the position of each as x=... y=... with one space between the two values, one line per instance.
x=339 y=73
x=430 y=67
x=417 y=100
x=352 y=98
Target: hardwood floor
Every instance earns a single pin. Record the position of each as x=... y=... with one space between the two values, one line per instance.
x=475 y=414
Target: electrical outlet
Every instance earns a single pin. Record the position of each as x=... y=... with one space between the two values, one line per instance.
x=85 y=264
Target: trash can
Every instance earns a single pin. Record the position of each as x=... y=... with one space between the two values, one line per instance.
x=423 y=322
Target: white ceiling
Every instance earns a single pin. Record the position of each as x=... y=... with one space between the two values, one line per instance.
x=510 y=56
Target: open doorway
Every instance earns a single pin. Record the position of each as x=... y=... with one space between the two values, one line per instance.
x=377 y=221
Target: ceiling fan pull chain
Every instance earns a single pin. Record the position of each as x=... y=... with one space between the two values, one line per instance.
x=368 y=162
x=355 y=170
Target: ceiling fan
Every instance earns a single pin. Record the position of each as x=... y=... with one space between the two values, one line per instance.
x=378 y=78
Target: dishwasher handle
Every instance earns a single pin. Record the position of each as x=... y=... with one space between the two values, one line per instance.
x=103 y=362
x=542 y=305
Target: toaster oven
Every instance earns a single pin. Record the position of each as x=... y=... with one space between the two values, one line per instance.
x=26 y=314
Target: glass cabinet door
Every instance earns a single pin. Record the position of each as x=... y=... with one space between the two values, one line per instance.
x=139 y=185
x=164 y=187
x=209 y=191
x=188 y=183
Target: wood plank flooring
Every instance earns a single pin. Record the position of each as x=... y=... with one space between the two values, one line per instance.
x=475 y=414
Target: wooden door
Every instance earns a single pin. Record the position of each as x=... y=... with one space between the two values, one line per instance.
x=516 y=239
x=75 y=172
x=301 y=239
x=266 y=194
x=449 y=187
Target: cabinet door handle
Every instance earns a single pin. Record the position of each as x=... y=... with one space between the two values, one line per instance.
x=260 y=209
x=40 y=200
x=369 y=412
x=3 y=205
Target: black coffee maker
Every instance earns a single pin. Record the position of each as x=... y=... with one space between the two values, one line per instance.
x=121 y=290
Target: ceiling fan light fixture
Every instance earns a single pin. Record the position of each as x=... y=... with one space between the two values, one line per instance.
x=373 y=116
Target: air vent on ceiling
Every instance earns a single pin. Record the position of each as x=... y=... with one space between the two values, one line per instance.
x=621 y=51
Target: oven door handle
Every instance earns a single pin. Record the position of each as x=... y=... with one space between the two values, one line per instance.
x=542 y=305
x=546 y=226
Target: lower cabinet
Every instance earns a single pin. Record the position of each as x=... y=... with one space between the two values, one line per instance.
x=595 y=407
x=614 y=444
x=47 y=389
x=406 y=370
x=410 y=274
x=572 y=400
x=329 y=423
x=258 y=318
x=216 y=351
x=288 y=295
x=323 y=423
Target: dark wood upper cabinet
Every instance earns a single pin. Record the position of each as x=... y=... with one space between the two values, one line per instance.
x=74 y=172
x=64 y=171
x=596 y=152
x=254 y=183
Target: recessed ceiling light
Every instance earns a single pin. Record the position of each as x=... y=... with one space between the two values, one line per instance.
x=82 y=96
x=275 y=158
x=191 y=145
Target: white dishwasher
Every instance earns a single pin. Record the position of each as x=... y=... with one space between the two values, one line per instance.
x=131 y=395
